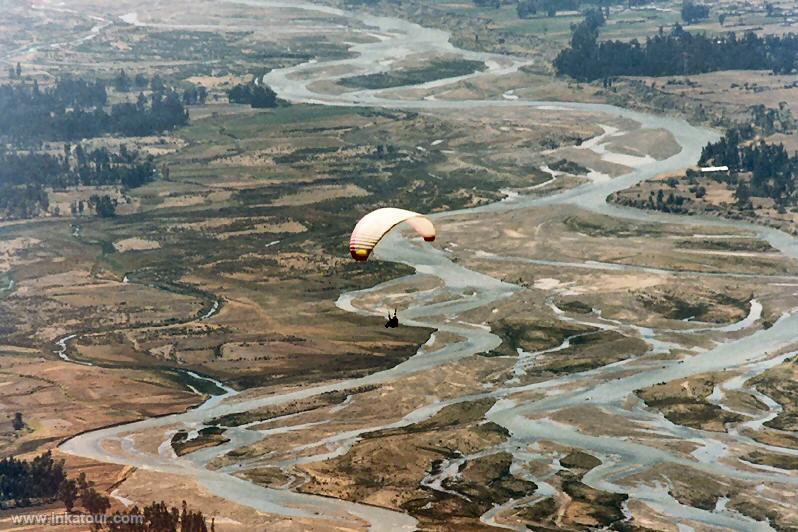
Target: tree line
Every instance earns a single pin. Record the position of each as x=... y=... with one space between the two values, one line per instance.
x=159 y=517
x=531 y=8
x=76 y=166
x=29 y=201
x=25 y=176
x=122 y=82
x=678 y=52
x=17 y=203
x=74 y=109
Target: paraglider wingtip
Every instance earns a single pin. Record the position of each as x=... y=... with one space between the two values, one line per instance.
x=359 y=254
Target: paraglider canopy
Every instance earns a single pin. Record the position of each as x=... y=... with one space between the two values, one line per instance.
x=376 y=224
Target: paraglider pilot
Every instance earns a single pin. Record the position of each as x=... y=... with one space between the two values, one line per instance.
x=393 y=321
x=375 y=225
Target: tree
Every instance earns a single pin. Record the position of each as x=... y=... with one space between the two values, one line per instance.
x=94 y=503
x=743 y=194
x=692 y=12
x=263 y=97
x=83 y=483
x=240 y=94
x=140 y=81
x=157 y=84
x=122 y=81
x=259 y=96
x=68 y=493
x=770 y=9
x=526 y=8
x=104 y=205
x=580 y=60
x=18 y=424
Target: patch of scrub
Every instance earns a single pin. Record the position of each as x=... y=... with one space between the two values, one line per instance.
x=257 y=229
x=436 y=70
x=135 y=244
x=320 y=193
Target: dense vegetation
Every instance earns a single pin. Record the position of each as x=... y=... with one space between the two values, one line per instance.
x=104 y=206
x=23 y=202
x=43 y=481
x=76 y=166
x=771 y=169
x=75 y=109
x=24 y=177
x=24 y=483
x=676 y=53
x=258 y=96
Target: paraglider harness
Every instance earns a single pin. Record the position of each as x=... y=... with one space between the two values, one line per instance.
x=393 y=321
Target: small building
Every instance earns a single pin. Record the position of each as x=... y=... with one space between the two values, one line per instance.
x=714 y=170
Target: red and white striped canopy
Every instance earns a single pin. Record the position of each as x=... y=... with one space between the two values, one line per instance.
x=375 y=225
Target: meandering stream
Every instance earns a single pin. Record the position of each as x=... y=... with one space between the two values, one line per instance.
x=397 y=39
